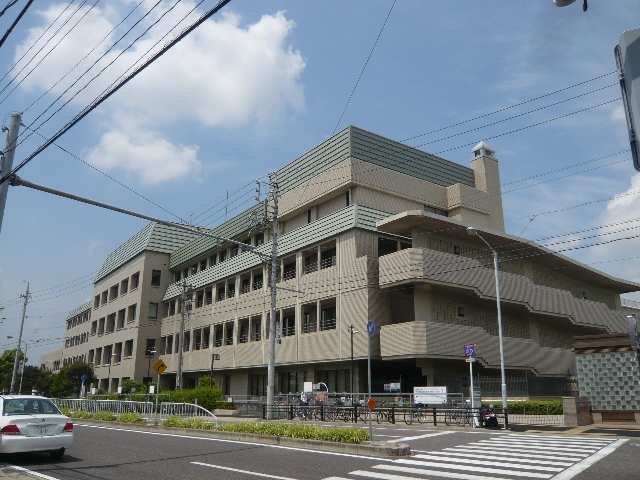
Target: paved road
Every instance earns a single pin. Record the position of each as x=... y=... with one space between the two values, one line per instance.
x=116 y=453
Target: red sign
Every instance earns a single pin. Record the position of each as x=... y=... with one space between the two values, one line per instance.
x=372 y=404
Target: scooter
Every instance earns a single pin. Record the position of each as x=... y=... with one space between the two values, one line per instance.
x=488 y=419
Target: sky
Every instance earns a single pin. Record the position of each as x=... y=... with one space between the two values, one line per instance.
x=261 y=82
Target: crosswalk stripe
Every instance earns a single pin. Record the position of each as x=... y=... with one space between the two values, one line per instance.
x=582 y=439
x=512 y=453
x=486 y=463
x=499 y=456
x=557 y=442
x=547 y=444
x=538 y=447
x=511 y=448
x=392 y=476
x=466 y=468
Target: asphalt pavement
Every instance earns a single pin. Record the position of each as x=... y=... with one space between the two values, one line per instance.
x=117 y=453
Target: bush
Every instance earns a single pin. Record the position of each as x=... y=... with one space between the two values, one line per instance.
x=308 y=432
x=204 y=396
x=103 y=416
x=130 y=418
x=531 y=407
x=224 y=406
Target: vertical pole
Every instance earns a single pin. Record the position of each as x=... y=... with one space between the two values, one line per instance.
x=369 y=382
x=211 y=371
x=26 y=297
x=183 y=313
x=23 y=363
x=272 y=323
x=503 y=379
x=473 y=403
x=352 y=369
x=7 y=158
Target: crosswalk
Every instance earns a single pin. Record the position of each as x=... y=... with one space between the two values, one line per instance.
x=501 y=457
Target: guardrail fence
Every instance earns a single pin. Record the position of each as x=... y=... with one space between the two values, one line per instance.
x=146 y=409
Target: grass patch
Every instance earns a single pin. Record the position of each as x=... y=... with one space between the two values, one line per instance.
x=307 y=432
x=130 y=418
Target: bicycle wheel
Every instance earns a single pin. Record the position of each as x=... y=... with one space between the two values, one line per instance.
x=420 y=416
x=408 y=416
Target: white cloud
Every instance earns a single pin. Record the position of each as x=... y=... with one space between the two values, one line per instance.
x=145 y=154
x=225 y=74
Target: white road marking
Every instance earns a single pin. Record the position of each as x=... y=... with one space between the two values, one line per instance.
x=549 y=444
x=417 y=437
x=246 y=472
x=558 y=437
x=522 y=457
x=465 y=468
x=589 y=461
x=239 y=442
x=538 y=447
x=32 y=472
x=558 y=440
x=524 y=451
x=391 y=476
x=485 y=463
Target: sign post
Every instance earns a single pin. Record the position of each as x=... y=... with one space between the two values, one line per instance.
x=159 y=366
x=470 y=357
x=371 y=330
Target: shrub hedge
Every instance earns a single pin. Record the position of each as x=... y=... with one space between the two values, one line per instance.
x=531 y=407
x=309 y=432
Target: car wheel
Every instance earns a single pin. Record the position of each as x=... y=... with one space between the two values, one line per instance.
x=57 y=454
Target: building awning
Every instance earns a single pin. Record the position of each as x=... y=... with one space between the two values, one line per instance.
x=509 y=247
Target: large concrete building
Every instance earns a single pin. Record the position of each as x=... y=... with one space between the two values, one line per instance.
x=370 y=229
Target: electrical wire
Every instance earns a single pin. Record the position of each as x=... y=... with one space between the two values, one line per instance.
x=122 y=83
x=15 y=22
x=364 y=67
x=9 y=4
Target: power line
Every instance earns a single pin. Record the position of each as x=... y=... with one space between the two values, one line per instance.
x=532 y=125
x=110 y=177
x=34 y=56
x=54 y=85
x=364 y=67
x=120 y=84
x=8 y=6
x=508 y=107
x=15 y=22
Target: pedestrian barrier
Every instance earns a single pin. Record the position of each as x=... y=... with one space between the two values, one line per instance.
x=145 y=409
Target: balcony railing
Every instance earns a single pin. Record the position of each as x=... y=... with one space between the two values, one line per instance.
x=327 y=323
x=328 y=262
x=310 y=267
x=289 y=274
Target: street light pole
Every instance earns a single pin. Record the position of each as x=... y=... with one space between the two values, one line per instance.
x=503 y=377
x=23 y=363
x=353 y=332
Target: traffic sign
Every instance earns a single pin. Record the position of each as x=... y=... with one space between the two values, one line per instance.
x=159 y=366
x=372 y=404
x=83 y=378
x=470 y=350
x=371 y=328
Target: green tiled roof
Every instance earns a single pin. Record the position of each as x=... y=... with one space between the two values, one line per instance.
x=77 y=310
x=352 y=142
x=153 y=237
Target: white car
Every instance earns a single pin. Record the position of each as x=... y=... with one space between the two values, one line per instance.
x=33 y=424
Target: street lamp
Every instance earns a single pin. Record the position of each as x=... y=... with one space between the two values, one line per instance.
x=150 y=354
x=503 y=379
x=353 y=332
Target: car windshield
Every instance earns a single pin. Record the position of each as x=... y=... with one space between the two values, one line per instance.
x=28 y=406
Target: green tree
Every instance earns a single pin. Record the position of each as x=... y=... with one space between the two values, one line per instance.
x=67 y=383
x=6 y=368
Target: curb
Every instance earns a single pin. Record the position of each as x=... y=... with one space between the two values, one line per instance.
x=379 y=449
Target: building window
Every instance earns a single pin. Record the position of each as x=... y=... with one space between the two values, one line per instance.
x=117 y=354
x=150 y=347
x=259 y=239
x=203 y=264
x=288 y=322
x=177 y=343
x=153 y=311
x=233 y=251
x=172 y=307
x=309 y=318
x=328 y=314
x=310 y=260
x=194 y=269
x=124 y=286
x=245 y=283
x=121 y=318
x=208 y=295
x=386 y=246
x=91 y=354
x=128 y=348
x=228 y=333
x=347 y=198
x=96 y=301
x=289 y=268
x=456 y=249
x=256 y=329
x=220 y=292
x=94 y=327
x=169 y=345
x=135 y=280
x=206 y=337
x=105 y=297
x=243 y=330
x=213 y=260
x=257 y=280
x=222 y=256
x=328 y=255
x=111 y=323
x=309 y=216
x=156 y=276
x=460 y=311
x=131 y=313
x=101 y=326
x=187 y=341
x=199 y=299
x=231 y=288
x=217 y=335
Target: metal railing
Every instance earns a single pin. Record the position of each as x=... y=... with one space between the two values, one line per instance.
x=172 y=409
x=146 y=409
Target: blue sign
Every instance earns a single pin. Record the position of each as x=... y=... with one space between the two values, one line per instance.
x=470 y=350
x=371 y=328
x=83 y=377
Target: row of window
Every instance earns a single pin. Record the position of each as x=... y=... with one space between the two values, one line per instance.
x=69 y=361
x=218 y=256
x=111 y=353
x=76 y=340
x=116 y=321
x=315 y=316
x=319 y=257
x=78 y=319
x=125 y=286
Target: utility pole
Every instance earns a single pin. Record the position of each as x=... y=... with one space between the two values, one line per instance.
x=273 y=192
x=26 y=296
x=23 y=363
x=183 y=314
x=7 y=158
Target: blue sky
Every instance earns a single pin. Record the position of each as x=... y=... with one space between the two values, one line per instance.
x=267 y=80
